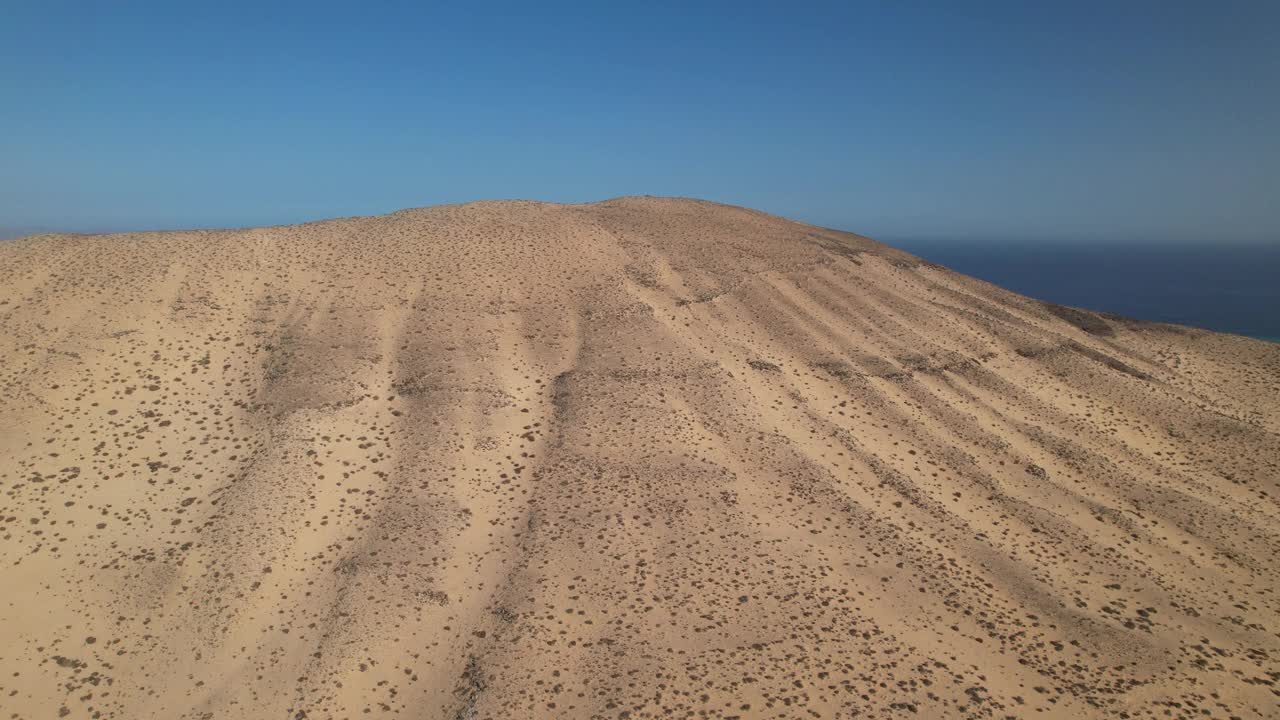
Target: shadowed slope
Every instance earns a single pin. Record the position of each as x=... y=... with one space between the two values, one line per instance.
x=640 y=458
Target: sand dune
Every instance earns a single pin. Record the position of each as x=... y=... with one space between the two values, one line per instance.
x=642 y=458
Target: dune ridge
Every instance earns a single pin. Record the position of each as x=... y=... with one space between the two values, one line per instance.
x=646 y=458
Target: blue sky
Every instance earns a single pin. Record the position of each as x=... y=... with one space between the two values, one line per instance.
x=1151 y=121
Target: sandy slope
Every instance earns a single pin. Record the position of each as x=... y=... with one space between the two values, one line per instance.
x=639 y=458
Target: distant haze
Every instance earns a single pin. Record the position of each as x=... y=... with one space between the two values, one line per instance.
x=1090 y=121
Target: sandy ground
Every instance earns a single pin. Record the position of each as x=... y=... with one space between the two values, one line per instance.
x=643 y=458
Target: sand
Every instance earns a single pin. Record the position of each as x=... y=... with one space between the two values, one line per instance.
x=641 y=458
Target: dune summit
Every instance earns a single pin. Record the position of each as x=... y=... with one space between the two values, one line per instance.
x=641 y=458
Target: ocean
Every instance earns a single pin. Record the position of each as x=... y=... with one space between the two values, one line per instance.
x=1228 y=288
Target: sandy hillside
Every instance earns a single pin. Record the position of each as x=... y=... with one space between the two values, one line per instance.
x=643 y=458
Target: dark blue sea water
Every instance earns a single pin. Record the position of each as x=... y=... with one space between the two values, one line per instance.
x=1226 y=288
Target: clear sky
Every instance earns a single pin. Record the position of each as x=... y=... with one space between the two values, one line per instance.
x=1153 y=121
